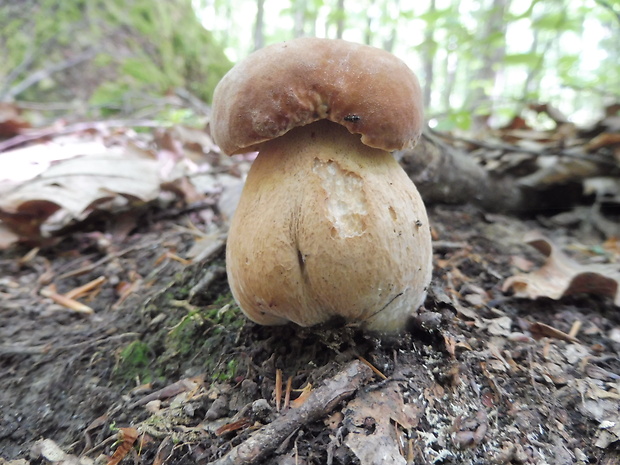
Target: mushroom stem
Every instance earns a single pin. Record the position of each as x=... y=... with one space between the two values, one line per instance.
x=327 y=226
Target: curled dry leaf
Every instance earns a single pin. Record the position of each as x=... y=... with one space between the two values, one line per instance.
x=303 y=397
x=561 y=276
x=69 y=190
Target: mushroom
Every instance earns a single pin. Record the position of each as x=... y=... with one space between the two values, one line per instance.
x=328 y=223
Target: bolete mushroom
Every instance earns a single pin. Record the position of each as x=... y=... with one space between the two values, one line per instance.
x=328 y=223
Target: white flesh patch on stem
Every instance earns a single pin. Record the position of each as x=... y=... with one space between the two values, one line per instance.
x=346 y=201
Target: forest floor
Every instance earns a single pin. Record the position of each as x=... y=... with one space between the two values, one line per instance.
x=121 y=343
x=174 y=373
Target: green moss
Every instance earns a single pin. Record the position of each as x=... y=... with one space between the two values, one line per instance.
x=134 y=362
x=227 y=373
x=204 y=339
x=181 y=338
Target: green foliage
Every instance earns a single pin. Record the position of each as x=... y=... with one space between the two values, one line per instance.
x=170 y=48
x=455 y=120
x=138 y=46
x=109 y=96
x=181 y=116
x=531 y=59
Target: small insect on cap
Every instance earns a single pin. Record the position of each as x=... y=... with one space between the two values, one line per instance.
x=298 y=82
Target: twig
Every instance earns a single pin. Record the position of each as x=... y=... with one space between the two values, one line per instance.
x=101 y=261
x=213 y=272
x=16 y=349
x=515 y=148
x=287 y=394
x=71 y=304
x=12 y=76
x=78 y=127
x=320 y=403
x=278 y=389
x=46 y=72
x=372 y=367
x=193 y=100
x=44 y=106
x=608 y=6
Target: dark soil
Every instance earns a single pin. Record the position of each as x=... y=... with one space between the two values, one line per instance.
x=483 y=387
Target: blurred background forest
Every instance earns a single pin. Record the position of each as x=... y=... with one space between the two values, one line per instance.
x=479 y=61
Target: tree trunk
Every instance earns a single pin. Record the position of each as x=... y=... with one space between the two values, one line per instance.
x=388 y=44
x=299 y=17
x=451 y=65
x=428 y=56
x=368 y=31
x=531 y=81
x=494 y=25
x=259 y=39
x=340 y=19
x=443 y=174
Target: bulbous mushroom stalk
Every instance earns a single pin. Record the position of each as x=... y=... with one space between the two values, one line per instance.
x=328 y=223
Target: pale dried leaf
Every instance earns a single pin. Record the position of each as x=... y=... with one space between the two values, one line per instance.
x=7 y=237
x=50 y=451
x=14 y=462
x=68 y=190
x=556 y=170
x=380 y=408
x=561 y=276
x=499 y=326
x=77 y=183
x=19 y=165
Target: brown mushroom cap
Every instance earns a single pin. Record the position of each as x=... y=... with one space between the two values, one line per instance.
x=294 y=83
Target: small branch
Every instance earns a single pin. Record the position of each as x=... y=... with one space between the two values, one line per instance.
x=17 y=349
x=609 y=7
x=15 y=72
x=594 y=90
x=45 y=106
x=78 y=127
x=44 y=73
x=319 y=404
x=194 y=101
x=538 y=152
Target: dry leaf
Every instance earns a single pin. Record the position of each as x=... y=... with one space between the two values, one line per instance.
x=127 y=436
x=539 y=330
x=69 y=190
x=11 y=122
x=234 y=426
x=369 y=419
x=303 y=397
x=602 y=140
x=556 y=170
x=50 y=452
x=561 y=276
x=499 y=326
